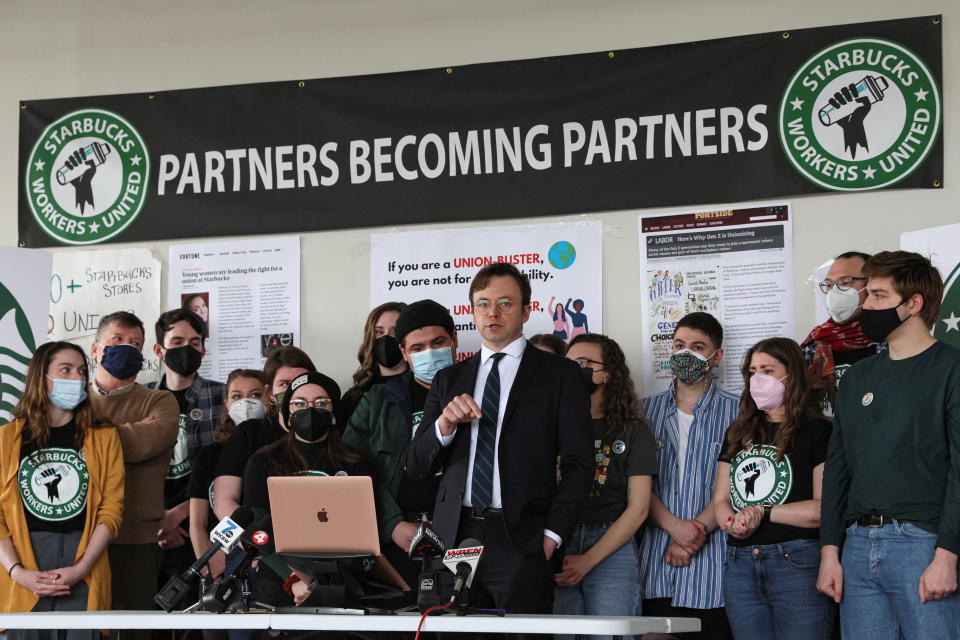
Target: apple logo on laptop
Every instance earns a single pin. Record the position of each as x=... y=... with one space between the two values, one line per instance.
x=322 y=515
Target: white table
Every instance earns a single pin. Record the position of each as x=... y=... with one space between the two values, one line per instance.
x=542 y=624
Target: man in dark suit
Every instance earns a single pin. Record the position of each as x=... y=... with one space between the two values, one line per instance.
x=496 y=424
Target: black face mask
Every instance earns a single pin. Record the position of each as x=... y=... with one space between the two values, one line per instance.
x=183 y=360
x=586 y=375
x=386 y=351
x=311 y=423
x=878 y=324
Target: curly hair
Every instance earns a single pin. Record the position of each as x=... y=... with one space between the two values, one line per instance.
x=32 y=407
x=799 y=400
x=620 y=404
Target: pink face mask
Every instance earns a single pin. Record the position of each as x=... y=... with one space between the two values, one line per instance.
x=767 y=391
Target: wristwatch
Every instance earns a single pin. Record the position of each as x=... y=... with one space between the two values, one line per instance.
x=767 y=508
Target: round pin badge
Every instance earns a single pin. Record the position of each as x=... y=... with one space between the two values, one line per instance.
x=619 y=447
x=196 y=414
x=867 y=399
x=659 y=444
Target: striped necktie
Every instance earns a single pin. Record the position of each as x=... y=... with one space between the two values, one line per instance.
x=481 y=489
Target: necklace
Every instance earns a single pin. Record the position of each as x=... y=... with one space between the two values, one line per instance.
x=706 y=385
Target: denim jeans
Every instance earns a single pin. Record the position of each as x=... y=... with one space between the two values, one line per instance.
x=881 y=577
x=770 y=591
x=612 y=588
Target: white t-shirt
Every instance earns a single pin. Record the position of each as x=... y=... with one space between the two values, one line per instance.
x=684 y=422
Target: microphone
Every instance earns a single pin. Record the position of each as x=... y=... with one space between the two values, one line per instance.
x=463 y=561
x=426 y=545
x=224 y=537
x=254 y=541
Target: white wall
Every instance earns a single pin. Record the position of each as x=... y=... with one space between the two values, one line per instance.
x=88 y=47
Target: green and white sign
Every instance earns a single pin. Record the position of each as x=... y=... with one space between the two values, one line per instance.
x=87 y=177
x=757 y=477
x=53 y=484
x=861 y=114
x=24 y=316
x=942 y=246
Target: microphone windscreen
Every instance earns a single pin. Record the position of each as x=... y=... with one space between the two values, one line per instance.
x=470 y=542
x=243 y=516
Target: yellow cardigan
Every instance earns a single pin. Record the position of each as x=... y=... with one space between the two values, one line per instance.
x=104 y=458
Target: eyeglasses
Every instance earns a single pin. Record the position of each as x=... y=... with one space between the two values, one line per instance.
x=586 y=362
x=319 y=403
x=842 y=284
x=504 y=305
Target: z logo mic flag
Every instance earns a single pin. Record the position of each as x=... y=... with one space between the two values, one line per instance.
x=842 y=108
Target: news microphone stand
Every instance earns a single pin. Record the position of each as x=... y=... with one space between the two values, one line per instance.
x=462 y=607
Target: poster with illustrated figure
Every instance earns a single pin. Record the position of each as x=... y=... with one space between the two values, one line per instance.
x=87 y=285
x=563 y=260
x=735 y=264
x=24 y=317
x=247 y=292
x=942 y=246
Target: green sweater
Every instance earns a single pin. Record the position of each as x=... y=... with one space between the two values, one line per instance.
x=895 y=448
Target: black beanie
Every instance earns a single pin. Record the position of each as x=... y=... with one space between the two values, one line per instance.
x=312 y=377
x=423 y=313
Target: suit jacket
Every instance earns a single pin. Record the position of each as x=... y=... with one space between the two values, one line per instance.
x=547 y=416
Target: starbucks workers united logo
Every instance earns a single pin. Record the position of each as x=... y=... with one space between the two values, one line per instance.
x=53 y=484
x=861 y=114
x=86 y=179
x=758 y=477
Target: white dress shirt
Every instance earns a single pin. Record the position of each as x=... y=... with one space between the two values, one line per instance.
x=508 y=367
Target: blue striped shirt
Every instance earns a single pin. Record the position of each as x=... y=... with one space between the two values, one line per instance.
x=699 y=585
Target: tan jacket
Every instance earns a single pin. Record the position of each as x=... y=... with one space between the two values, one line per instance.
x=147 y=422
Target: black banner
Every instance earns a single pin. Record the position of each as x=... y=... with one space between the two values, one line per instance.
x=844 y=108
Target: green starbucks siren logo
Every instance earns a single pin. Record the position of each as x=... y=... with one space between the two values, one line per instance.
x=860 y=114
x=947 y=328
x=87 y=177
x=53 y=484
x=15 y=352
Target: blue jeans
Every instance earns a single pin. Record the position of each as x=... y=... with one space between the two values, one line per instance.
x=612 y=588
x=881 y=577
x=770 y=591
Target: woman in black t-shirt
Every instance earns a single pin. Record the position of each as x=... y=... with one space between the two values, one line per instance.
x=311 y=407
x=279 y=370
x=767 y=499
x=244 y=401
x=600 y=572
x=61 y=498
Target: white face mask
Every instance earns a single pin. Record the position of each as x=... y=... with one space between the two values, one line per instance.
x=247 y=409
x=843 y=304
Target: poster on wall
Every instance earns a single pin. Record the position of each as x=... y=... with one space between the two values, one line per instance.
x=735 y=264
x=942 y=246
x=248 y=294
x=563 y=260
x=842 y=108
x=24 y=306
x=85 y=286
